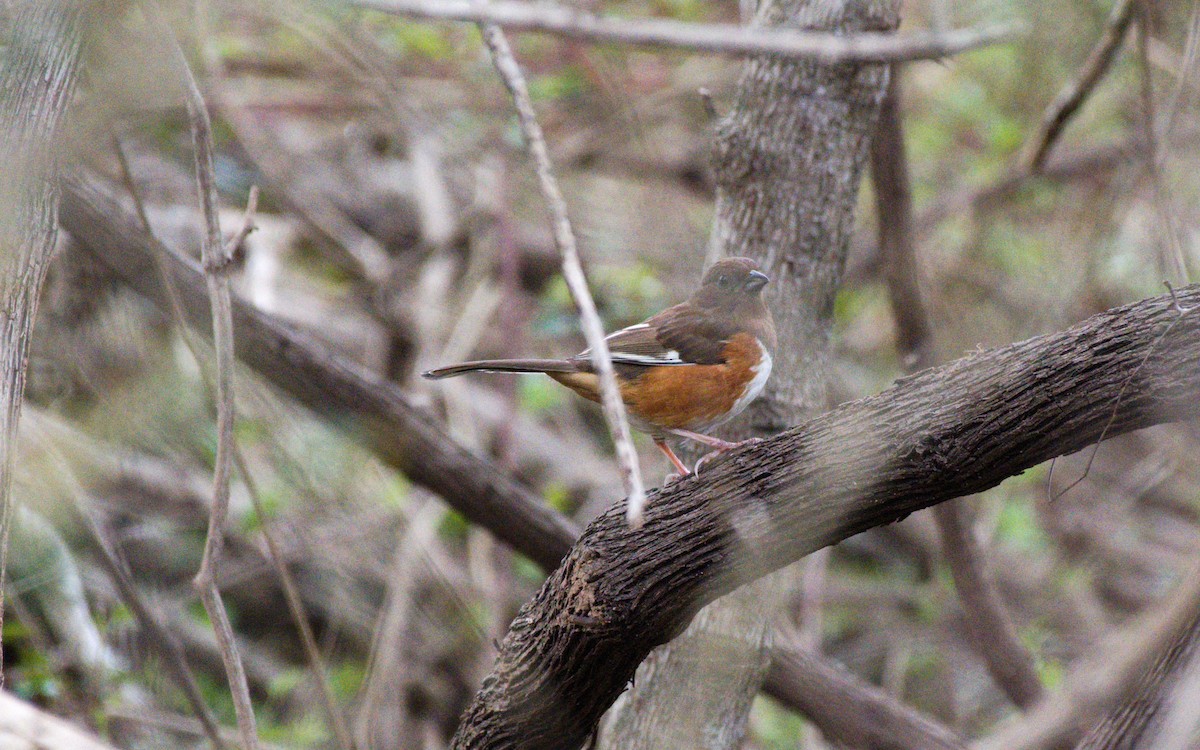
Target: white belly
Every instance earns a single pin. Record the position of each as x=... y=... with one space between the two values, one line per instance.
x=762 y=371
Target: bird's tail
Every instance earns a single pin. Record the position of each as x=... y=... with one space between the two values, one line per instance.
x=502 y=365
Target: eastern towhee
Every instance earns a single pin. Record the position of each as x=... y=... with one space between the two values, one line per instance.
x=682 y=372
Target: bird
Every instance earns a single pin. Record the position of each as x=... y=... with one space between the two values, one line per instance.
x=682 y=372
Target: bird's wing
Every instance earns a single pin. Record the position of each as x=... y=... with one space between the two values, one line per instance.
x=698 y=336
x=679 y=335
x=636 y=345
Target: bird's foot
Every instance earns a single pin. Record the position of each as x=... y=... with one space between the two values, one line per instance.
x=724 y=447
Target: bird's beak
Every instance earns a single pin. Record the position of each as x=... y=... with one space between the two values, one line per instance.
x=757 y=281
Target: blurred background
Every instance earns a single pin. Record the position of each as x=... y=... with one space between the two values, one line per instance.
x=399 y=226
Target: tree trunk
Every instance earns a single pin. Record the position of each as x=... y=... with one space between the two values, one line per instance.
x=37 y=82
x=788 y=164
x=940 y=434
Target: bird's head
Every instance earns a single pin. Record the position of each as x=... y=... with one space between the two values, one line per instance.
x=731 y=283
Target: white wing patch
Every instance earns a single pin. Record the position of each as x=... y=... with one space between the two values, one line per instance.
x=762 y=371
x=670 y=357
x=666 y=358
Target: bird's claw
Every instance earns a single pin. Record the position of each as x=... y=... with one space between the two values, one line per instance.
x=723 y=449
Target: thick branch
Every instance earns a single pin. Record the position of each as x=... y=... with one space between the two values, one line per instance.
x=943 y=433
x=1137 y=723
x=725 y=38
x=1120 y=668
x=848 y=710
x=377 y=413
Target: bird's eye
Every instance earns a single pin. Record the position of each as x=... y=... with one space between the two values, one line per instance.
x=723 y=282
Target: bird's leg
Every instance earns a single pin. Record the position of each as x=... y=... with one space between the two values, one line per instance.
x=670 y=454
x=717 y=444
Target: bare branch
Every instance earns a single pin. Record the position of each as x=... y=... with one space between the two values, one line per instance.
x=848 y=710
x=564 y=237
x=1108 y=675
x=894 y=217
x=720 y=38
x=291 y=593
x=1072 y=95
x=992 y=633
x=234 y=247
x=161 y=638
x=372 y=411
x=1171 y=257
x=290 y=590
x=216 y=266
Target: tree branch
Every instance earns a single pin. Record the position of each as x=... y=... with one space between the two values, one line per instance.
x=162 y=639
x=373 y=411
x=722 y=38
x=943 y=433
x=1115 y=670
x=848 y=710
x=1075 y=92
x=1138 y=721
x=216 y=267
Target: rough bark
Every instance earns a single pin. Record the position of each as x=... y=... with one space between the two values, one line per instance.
x=37 y=81
x=788 y=163
x=940 y=434
x=375 y=411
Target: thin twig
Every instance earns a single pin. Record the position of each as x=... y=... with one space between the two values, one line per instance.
x=291 y=593
x=1175 y=300
x=160 y=637
x=1007 y=659
x=721 y=38
x=369 y=410
x=1191 y=50
x=1171 y=253
x=215 y=265
x=1072 y=95
x=236 y=244
x=564 y=237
